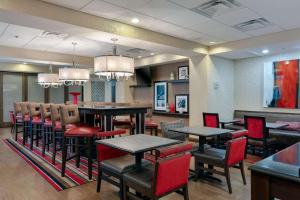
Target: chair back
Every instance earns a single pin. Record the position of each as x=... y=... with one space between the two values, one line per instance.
x=55 y=112
x=12 y=117
x=69 y=114
x=35 y=109
x=45 y=111
x=171 y=173
x=211 y=120
x=174 y=149
x=166 y=126
x=235 y=151
x=24 y=108
x=17 y=107
x=256 y=127
x=106 y=152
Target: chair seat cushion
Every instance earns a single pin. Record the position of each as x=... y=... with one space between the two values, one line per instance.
x=143 y=178
x=270 y=141
x=19 y=117
x=48 y=122
x=151 y=124
x=58 y=126
x=82 y=131
x=122 y=122
x=211 y=156
x=36 y=120
x=110 y=133
x=26 y=118
x=121 y=164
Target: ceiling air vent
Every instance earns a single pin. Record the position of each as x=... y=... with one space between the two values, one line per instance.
x=54 y=35
x=252 y=25
x=215 y=7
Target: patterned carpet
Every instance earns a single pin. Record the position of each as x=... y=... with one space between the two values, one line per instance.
x=43 y=165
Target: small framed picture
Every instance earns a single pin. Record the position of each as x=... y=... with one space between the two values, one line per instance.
x=182 y=103
x=183 y=72
x=160 y=96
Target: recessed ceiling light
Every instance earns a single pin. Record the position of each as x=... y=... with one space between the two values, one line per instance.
x=212 y=42
x=25 y=63
x=139 y=56
x=135 y=20
x=265 y=51
x=152 y=54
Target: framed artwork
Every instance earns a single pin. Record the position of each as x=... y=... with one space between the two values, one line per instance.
x=183 y=72
x=182 y=103
x=160 y=96
x=281 y=84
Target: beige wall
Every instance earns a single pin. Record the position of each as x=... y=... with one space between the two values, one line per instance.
x=248 y=83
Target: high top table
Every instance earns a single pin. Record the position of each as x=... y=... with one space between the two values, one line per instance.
x=277 y=176
x=109 y=111
x=137 y=145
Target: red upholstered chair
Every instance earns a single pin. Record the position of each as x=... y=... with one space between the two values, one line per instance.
x=36 y=123
x=46 y=127
x=211 y=120
x=169 y=174
x=258 y=135
x=26 y=120
x=16 y=119
x=152 y=126
x=124 y=123
x=69 y=115
x=233 y=155
x=113 y=163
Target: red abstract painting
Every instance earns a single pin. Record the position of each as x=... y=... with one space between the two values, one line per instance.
x=286 y=84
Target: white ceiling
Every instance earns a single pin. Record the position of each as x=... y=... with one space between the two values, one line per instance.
x=174 y=17
x=30 y=38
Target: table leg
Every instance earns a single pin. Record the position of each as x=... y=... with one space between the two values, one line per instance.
x=137 y=123
x=138 y=160
x=108 y=123
x=142 y=122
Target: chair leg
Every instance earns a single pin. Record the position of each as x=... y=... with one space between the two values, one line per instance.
x=125 y=190
x=43 y=141
x=156 y=131
x=243 y=172
x=37 y=135
x=77 y=151
x=24 y=134
x=90 y=144
x=54 y=148
x=99 y=179
x=31 y=136
x=121 y=189
x=227 y=174
x=186 y=192
x=64 y=157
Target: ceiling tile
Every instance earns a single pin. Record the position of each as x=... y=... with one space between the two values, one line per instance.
x=283 y=13
x=237 y=16
x=3 y=26
x=208 y=39
x=266 y=30
x=188 y=4
x=103 y=9
x=18 y=36
x=219 y=30
x=39 y=43
x=169 y=12
x=130 y=4
x=73 y=4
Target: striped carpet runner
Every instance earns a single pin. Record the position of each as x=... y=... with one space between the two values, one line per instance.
x=43 y=165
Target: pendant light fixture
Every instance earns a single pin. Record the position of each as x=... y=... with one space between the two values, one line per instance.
x=114 y=67
x=74 y=75
x=50 y=79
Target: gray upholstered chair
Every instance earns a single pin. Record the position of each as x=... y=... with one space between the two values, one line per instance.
x=166 y=126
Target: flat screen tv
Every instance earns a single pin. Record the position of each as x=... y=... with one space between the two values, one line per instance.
x=143 y=76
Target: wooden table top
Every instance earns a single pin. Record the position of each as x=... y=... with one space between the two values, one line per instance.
x=201 y=131
x=137 y=143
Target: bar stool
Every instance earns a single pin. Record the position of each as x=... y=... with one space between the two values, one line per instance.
x=69 y=114
x=46 y=127
x=35 y=123
x=17 y=118
x=26 y=121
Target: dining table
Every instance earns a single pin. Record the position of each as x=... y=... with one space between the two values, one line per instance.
x=108 y=112
x=137 y=145
x=202 y=133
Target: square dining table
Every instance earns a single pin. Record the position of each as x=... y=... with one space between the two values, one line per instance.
x=137 y=145
x=202 y=133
